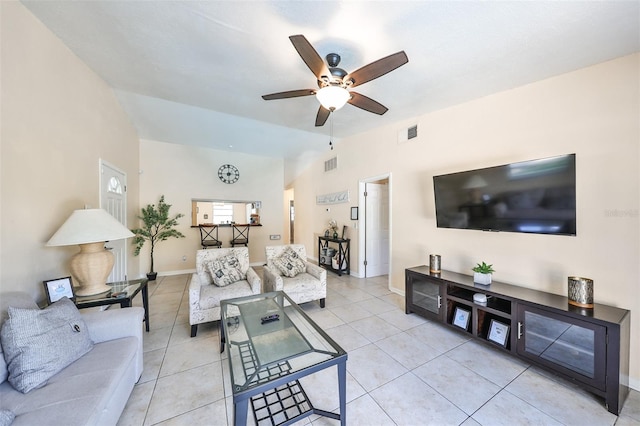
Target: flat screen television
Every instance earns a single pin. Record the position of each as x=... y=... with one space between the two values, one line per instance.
x=537 y=196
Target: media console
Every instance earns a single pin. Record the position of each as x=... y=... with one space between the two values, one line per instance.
x=587 y=346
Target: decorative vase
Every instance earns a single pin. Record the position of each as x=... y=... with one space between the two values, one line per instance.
x=480 y=278
x=326 y=233
x=335 y=234
x=580 y=292
x=434 y=263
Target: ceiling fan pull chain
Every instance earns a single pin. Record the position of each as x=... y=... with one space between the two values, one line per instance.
x=331 y=133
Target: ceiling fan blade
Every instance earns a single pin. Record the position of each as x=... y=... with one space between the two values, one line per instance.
x=309 y=55
x=289 y=94
x=377 y=69
x=322 y=116
x=367 y=104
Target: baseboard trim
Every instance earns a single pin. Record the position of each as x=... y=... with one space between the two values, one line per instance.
x=177 y=272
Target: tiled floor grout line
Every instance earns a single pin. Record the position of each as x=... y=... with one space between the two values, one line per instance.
x=351 y=292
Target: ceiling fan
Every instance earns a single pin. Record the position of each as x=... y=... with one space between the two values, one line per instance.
x=334 y=84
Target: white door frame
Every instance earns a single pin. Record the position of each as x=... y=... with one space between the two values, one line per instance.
x=362 y=229
x=121 y=262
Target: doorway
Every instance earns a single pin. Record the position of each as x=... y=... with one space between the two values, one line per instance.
x=292 y=219
x=113 y=199
x=375 y=196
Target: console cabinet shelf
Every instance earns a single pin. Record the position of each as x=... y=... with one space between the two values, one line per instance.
x=587 y=346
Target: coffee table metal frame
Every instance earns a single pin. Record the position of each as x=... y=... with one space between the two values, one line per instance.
x=272 y=380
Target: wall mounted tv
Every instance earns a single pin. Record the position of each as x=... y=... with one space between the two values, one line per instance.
x=537 y=196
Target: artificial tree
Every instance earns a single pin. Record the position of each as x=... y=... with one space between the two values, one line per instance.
x=157 y=226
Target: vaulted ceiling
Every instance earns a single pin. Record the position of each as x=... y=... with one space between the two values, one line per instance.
x=193 y=72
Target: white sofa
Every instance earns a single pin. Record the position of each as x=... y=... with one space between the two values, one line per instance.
x=205 y=296
x=95 y=388
x=305 y=287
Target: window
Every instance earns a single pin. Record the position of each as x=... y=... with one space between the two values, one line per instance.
x=222 y=213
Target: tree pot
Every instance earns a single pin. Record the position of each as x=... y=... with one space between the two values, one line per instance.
x=151 y=276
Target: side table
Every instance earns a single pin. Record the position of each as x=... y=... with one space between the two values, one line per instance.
x=129 y=289
x=343 y=254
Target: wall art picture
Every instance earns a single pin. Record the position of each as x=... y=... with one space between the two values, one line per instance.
x=58 y=288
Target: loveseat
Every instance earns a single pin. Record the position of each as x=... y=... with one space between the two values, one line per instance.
x=92 y=390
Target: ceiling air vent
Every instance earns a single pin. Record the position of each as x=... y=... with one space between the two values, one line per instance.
x=331 y=164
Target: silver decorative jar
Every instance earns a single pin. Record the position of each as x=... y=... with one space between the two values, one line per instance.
x=434 y=263
x=580 y=292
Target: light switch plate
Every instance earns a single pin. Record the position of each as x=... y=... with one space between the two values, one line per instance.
x=274 y=237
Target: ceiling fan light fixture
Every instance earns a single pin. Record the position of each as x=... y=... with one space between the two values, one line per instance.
x=333 y=97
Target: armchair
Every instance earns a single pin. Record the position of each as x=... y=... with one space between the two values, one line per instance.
x=205 y=296
x=309 y=285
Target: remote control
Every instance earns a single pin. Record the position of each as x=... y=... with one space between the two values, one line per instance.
x=270 y=318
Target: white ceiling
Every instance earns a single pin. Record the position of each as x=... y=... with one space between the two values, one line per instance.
x=193 y=72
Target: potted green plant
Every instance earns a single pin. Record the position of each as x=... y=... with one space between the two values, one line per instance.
x=482 y=273
x=156 y=226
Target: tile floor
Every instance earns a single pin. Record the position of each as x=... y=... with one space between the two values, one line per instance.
x=402 y=370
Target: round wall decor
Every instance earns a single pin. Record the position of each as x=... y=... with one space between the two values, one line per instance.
x=228 y=173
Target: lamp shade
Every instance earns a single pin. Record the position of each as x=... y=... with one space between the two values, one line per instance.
x=89 y=226
x=474 y=182
x=92 y=265
x=333 y=97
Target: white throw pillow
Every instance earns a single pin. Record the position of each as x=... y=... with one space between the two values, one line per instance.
x=38 y=343
x=6 y=417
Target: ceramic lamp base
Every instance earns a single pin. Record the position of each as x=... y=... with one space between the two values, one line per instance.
x=91 y=268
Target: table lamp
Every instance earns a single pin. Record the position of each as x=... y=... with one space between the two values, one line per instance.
x=90 y=229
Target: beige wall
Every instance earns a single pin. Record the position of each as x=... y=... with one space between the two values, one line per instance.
x=58 y=119
x=181 y=173
x=593 y=112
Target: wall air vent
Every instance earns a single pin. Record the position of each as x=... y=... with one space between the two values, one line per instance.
x=331 y=164
x=407 y=134
x=412 y=132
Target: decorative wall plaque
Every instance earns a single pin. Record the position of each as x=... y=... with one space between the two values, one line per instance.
x=333 y=198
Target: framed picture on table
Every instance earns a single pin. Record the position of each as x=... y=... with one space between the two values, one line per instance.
x=461 y=318
x=498 y=333
x=58 y=288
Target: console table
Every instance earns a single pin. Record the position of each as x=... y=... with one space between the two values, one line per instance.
x=587 y=346
x=343 y=253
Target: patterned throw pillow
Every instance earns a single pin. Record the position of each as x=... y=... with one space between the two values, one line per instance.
x=290 y=263
x=38 y=343
x=225 y=270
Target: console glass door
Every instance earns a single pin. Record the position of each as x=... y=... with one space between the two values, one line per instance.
x=426 y=295
x=563 y=341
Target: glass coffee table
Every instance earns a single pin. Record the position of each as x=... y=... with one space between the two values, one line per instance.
x=267 y=359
